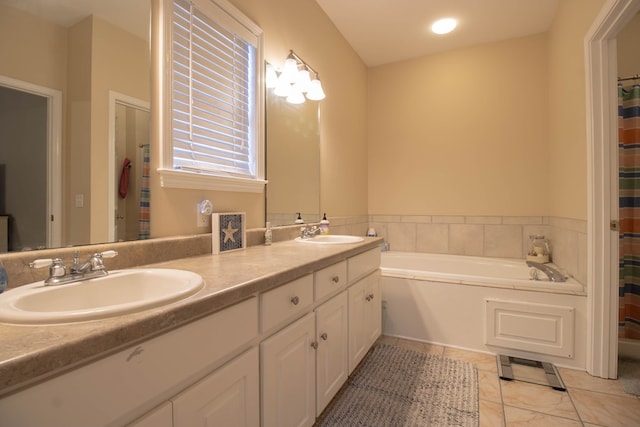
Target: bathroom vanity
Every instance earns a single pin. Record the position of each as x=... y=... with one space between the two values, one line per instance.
x=268 y=341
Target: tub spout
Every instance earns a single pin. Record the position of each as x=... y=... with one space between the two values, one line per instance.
x=553 y=274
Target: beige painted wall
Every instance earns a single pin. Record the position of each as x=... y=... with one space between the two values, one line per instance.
x=567 y=108
x=461 y=133
x=628 y=58
x=495 y=129
x=300 y=25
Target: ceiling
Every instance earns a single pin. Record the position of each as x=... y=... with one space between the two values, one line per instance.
x=131 y=15
x=384 y=31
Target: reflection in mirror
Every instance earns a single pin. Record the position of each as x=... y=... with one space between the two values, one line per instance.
x=293 y=161
x=76 y=51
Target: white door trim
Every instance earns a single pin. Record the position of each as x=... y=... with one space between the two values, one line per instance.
x=602 y=102
x=116 y=98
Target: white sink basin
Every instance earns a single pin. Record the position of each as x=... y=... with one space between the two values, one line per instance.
x=330 y=239
x=121 y=292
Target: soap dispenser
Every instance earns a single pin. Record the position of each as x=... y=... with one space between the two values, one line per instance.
x=324 y=225
x=299 y=220
x=268 y=235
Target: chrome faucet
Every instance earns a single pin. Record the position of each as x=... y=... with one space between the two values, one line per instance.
x=553 y=274
x=93 y=267
x=309 y=231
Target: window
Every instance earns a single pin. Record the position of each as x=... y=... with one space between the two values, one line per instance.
x=215 y=138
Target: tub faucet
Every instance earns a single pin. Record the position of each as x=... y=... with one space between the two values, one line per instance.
x=309 y=231
x=553 y=274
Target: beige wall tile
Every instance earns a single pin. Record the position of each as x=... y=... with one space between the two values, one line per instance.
x=433 y=238
x=402 y=236
x=503 y=241
x=466 y=239
x=483 y=220
x=447 y=219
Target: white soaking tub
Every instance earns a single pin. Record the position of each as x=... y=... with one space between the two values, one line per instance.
x=483 y=304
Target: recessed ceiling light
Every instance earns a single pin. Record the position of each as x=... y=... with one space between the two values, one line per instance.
x=444 y=26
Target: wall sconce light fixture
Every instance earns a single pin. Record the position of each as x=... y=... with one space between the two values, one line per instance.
x=295 y=81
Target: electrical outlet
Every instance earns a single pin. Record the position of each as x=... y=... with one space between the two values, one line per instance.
x=202 y=220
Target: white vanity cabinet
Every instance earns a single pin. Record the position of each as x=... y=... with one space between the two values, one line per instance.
x=304 y=364
x=229 y=397
x=112 y=390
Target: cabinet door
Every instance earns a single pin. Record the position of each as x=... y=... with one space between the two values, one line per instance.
x=365 y=317
x=227 y=397
x=373 y=309
x=358 y=344
x=332 y=367
x=288 y=375
x=162 y=416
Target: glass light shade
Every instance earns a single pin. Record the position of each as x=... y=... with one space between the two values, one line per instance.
x=283 y=87
x=315 y=92
x=295 y=97
x=303 y=80
x=290 y=70
x=271 y=79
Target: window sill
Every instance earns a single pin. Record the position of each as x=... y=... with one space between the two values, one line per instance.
x=170 y=178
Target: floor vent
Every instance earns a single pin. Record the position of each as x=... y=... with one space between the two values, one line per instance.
x=530 y=371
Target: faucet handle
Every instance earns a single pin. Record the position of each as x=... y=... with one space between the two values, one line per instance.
x=42 y=262
x=108 y=254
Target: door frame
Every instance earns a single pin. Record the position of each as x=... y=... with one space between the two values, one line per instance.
x=602 y=186
x=54 y=154
x=116 y=98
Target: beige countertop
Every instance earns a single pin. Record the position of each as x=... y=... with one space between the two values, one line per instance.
x=31 y=353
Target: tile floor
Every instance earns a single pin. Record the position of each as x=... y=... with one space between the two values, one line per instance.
x=588 y=401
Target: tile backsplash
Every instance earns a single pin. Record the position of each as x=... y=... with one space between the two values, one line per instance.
x=489 y=236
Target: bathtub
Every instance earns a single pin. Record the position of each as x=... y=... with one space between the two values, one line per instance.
x=483 y=304
x=469 y=270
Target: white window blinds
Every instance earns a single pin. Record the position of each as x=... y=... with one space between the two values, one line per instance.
x=214 y=91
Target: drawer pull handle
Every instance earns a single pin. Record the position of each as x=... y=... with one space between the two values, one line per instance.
x=324 y=336
x=369 y=297
x=335 y=279
x=314 y=345
x=295 y=300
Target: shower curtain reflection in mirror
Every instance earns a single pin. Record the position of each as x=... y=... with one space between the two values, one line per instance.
x=629 y=205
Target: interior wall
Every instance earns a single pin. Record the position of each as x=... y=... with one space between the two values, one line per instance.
x=567 y=108
x=628 y=58
x=300 y=25
x=462 y=132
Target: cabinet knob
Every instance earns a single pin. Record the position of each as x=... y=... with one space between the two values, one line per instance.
x=324 y=336
x=335 y=279
x=314 y=345
x=295 y=300
x=369 y=297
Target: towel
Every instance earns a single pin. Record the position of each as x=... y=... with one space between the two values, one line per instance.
x=124 y=178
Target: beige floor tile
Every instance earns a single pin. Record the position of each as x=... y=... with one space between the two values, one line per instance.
x=420 y=346
x=485 y=362
x=385 y=339
x=606 y=409
x=489 y=386
x=491 y=414
x=538 y=398
x=523 y=417
x=580 y=379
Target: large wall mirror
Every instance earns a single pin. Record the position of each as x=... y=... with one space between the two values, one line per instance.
x=293 y=161
x=74 y=104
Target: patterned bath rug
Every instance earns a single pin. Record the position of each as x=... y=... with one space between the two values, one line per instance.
x=396 y=387
x=629 y=375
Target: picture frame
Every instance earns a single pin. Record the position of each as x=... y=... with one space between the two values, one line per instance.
x=228 y=232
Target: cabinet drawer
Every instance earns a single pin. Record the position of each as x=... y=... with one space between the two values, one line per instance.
x=363 y=264
x=330 y=279
x=286 y=301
